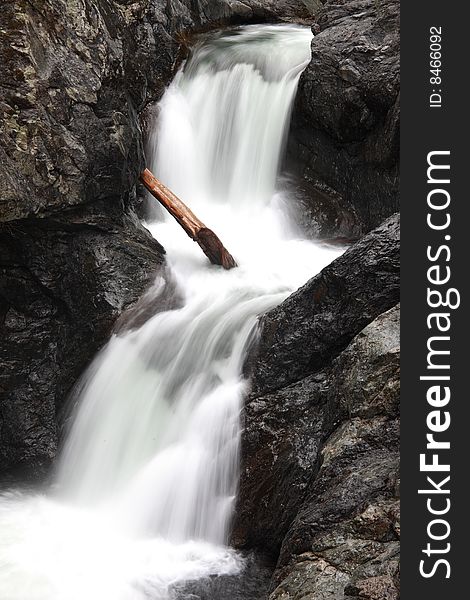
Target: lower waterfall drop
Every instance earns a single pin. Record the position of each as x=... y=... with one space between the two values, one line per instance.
x=147 y=480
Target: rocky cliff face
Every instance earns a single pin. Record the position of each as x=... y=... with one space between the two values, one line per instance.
x=319 y=474
x=344 y=541
x=75 y=77
x=346 y=120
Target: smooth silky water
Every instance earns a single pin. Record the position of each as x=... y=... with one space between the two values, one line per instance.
x=147 y=479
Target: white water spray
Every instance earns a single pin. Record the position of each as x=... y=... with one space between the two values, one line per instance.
x=147 y=479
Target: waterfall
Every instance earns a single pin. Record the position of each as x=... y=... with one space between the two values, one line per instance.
x=225 y=118
x=147 y=480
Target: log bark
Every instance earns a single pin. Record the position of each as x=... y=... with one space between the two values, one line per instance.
x=208 y=241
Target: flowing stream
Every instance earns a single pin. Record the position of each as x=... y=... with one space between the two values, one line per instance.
x=147 y=480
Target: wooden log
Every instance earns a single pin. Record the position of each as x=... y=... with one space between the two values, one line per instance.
x=197 y=231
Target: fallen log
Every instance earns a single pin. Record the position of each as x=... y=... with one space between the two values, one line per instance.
x=210 y=244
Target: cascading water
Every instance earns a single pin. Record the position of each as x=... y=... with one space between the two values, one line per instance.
x=147 y=479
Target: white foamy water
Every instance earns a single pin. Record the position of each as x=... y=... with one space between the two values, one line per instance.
x=147 y=479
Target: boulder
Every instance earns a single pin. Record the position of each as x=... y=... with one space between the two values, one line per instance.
x=345 y=130
x=318 y=321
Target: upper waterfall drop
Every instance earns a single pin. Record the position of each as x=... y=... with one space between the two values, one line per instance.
x=226 y=115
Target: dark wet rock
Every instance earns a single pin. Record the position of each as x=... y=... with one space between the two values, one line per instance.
x=62 y=286
x=281 y=445
x=322 y=456
x=314 y=578
x=359 y=471
x=318 y=321
x=345 y=129
x=74 y=77
x=319 y=213
x=252 y=583
x=206 y=12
